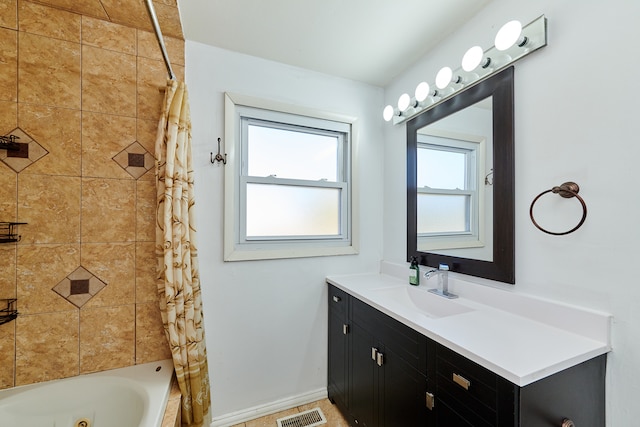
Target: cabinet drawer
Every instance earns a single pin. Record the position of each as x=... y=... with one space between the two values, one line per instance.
x=406 y=343
x=471 y=386
x=338 y=300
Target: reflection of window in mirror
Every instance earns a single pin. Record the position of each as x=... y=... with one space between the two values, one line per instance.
x=450 y=168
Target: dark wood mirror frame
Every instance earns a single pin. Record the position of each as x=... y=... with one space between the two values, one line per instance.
x=502 y=268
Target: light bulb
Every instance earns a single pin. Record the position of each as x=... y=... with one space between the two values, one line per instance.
x=387 y=113
x=443 y=78
x=472 y=58
x=422 y=91
x=403 y=102
x=509 y=35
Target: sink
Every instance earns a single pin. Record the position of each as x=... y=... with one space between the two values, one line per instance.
x=422 y=301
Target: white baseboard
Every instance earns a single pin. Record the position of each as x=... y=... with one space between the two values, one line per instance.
x=269 y=408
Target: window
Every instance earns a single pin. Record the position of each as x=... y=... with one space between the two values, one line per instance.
x=449 y=199
x=288 y=181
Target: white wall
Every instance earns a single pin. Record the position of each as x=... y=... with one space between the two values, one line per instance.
x=266 y=320
x=576 y=118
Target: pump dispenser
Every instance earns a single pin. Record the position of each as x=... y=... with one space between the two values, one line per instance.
x=414 y=272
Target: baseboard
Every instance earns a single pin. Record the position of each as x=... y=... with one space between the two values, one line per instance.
x=269 y=408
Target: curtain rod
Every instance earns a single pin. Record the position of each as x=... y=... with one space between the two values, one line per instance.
x=156 y=27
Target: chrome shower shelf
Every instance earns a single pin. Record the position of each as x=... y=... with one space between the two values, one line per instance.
x=9 y=231
x=8 y=313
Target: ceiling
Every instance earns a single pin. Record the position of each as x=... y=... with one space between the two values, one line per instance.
x=366 y=40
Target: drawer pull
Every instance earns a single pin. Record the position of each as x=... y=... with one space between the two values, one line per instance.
x=461 y=381
x=567 y=423
x=431 y=401
x=345 y=329
x=380 y=359
x=374 y=353
x=336 y=298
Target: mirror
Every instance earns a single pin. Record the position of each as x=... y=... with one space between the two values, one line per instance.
x=460 y=182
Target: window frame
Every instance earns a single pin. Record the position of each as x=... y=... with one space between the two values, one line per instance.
x=455 y=142
x=236 y=246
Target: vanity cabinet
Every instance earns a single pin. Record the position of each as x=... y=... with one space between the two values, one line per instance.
x=383 y=373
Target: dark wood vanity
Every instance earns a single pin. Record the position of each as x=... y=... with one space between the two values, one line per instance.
x=384 y=373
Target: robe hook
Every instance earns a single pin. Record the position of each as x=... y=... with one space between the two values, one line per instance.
x=219 y=157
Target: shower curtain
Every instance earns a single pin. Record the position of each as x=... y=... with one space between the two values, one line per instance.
x=178 y=277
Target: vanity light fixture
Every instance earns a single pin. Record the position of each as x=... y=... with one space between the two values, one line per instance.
x=509 y=35
x=404 y=102
x=512 y=42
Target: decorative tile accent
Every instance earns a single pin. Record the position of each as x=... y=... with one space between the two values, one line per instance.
x=29 y=153
x=135 y=160
x=79 y=287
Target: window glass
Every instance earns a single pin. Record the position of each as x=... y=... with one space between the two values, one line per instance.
x=282 y=210
x=287 y=153
x=443 y=213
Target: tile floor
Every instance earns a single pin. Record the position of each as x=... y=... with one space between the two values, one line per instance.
x=331 y=413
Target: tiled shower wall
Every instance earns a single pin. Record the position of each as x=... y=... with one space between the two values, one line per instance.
x=80 y=83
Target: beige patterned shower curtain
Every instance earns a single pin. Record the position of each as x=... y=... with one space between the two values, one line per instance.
x=178 y=277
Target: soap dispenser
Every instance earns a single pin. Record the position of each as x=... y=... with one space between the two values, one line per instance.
x=414 y=272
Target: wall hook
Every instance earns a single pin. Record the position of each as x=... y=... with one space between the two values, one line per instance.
x=219 y=157
x=488 y=181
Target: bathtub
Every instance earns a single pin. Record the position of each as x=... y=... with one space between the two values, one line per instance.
x=135 y=396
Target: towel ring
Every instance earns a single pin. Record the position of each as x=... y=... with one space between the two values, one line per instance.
x=566 y=190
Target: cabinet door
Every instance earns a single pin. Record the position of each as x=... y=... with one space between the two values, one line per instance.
x=338 y=374
x=363 y=393
x=403 y=393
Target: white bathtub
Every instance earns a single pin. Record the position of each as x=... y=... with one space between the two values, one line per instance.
x=135 y=396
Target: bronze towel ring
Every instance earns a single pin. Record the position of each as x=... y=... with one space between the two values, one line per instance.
x=566 y=190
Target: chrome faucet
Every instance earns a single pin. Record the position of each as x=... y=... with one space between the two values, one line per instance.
x=443 y=281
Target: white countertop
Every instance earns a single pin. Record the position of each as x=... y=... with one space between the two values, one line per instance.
x=521 y=338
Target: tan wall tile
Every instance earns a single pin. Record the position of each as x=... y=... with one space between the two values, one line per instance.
x=152 y=76
x=9 y=68
x=48 y=71
x=146 y=211
x=46 y=347
x=130 y=13
x=7 y=354
x=114 y=264
x=49 y=22
x=108 y=210
x=57 y=130
x=39 y=269
x=7 y=272
x=146 y=131
x=107 y=338
x=146 y=288
x=51 y=207
x=151 y=343
x=9 y=14
x=8 y=194
x=173 y=3
x=9 y=117
x=148 y=47
x=107 y=35
x=84 y=7
x=108 y=82
x=104 y=136
x=169 y=20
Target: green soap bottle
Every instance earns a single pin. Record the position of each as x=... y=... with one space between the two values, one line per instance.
x=414 y=272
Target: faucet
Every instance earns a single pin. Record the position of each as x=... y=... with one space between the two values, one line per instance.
x=443 y=281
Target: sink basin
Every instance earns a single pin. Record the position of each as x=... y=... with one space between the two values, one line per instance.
x=420 y=300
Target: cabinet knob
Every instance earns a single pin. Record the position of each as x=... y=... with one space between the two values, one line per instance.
x=374 y=353
x=567 y=423
x=336 y=298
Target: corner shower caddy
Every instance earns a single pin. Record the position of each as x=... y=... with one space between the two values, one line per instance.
x=9 y=232
x=8 y=313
